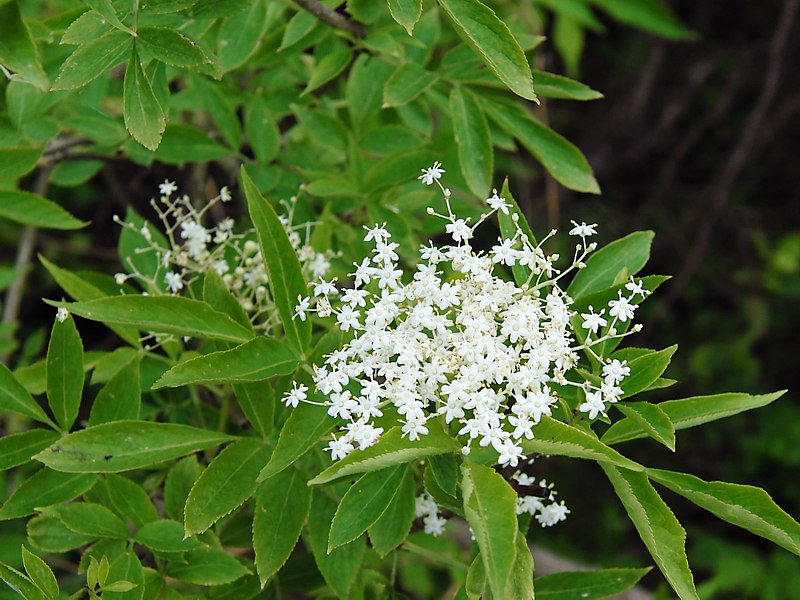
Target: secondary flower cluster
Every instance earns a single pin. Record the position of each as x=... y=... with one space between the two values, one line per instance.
x=191 y=249
x=457 y=342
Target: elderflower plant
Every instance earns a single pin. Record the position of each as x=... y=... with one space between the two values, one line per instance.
x=190 y=247
x=453 y=339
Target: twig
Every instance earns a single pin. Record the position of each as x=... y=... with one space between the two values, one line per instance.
x=740 y=153
x=331 y=17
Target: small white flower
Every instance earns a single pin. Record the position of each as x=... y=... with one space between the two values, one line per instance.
x=432 y=174
x=622 y=308
x=459 y=229
x=497 y=203
x=583 y=230
x=296 y=395
x=593 y=321
x=174 y=281
x=302 y=307
x=120 y=278
x=167 y=188
x=636 y=287
x=62 y=314
x=225 y=194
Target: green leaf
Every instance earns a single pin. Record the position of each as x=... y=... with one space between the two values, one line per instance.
x=364 y=90
x=340 y=567
x=240 y=35
x=282 y=505
x=162 y=314
x=89 y=26
x=179 y=482
x=391 y=449
x=476 y=586
x=120 y=398
x=44 y=488
x=628 y=255
x=329 y=64
x=223 y=487
x=165 y=536
x=207 y=566
x=520 y=580
x=108 y=13
x=256 y=360
x=125 y=569
x=657 y=526
x=324 y=129
x=394 y=169
x=144 y=117
x=138 y=255
x=406 y=13
x=257 y=402
x=562 y=159
x=473 y=140
x=444 y=468
x=18 y=51
x=90 y=60
x=550 y=85
x=364 y=503
x=41 y=575
x=508 y=228
x=490 y=506
x=31 y=209
x=689 y=412
x=48 y=534
x=651 y=419
x=18 y=448
x=126 y=445
x=285 y=276
x=19 y=582
x=262 y=131
x=214 y=9
x=170 y=47
x=183 y=144
x=745 y=506
x=591 y=585
x=407 y=82
x=645 y=370
x=222 y=111
x=560 y=439
x=218 y=297
x=16 y=162
x=303 y=428
x=392 y=527
x=493 y=41
x=129 y=500
x=649 y=15
x=65 y=372
x=16 y=398
x=93 y=520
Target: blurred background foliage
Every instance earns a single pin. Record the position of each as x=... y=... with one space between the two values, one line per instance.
x=694 y=138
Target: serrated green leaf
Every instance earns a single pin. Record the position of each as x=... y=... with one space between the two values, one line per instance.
x=129 y=500
x=228 y=481
x=657 y=526
x=324 y=129
x=651 y=419
x=18 y=448
x=18 y=51
x=44 y=488
x=178 y=484
x=214 y=9
x=689 y=412
x=745 y=506
x=126 y=445
x=165 y=536
x=19 y=582
x=162 y=314
x=105 y=8
x=407 y=82
x=256 y=360
x=490 y=506
x=333 y=59
x=520 y=580
x=93 y=520
x=48 y=534
x=392 y=527
x=240 y=35
x=14 y=397
x=473 y=140
x=391 y=449
x=170 y=47
x=32 y=209
x=16 y=162
x=262 y=131
x=41 y=574
x=550 y=85
x=560 y=439
x=303 y=428
x=207 y=566
x=125 y=568
x=562 y=159
x=90 y=60
x=282 y=505
x=591 y=585
x=89 y=26
x=285 y=276
x=257 y=402
x=364 y=90
x=218 y=297
x=645 y=370
x=364 y=503
x=628 y=254
x=144 y=116
x=65 y=372
x=493 y=41
x=406 y=13
x=340 y=567
x=120 y=398
x=444 y=468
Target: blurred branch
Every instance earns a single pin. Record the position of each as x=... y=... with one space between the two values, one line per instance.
x=740 y=154
x=331 y=17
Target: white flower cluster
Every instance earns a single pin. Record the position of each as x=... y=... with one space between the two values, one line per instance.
x=194 y=249
x=456 y=342
x=546 y=514
x=427 y=508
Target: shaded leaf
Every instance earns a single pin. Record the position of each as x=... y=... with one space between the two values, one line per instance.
x=65 y=372
x=407 y=82
x=144 y=117
x=41 y=575
x=44 y=488
x=18 y=51
x=30 y=209
x=169 y=46
x=14 y=397
x=628 y=255
x=92 y=59
x=130 y=500
x=207 y=566
x=92 y=520
x=120 y=398
x=165 y=536
x=16 y=162
x=652 y=419
x=474 y=142
x=592 y=585
x=392 y=527
x=18 y=448
x=406 y=13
